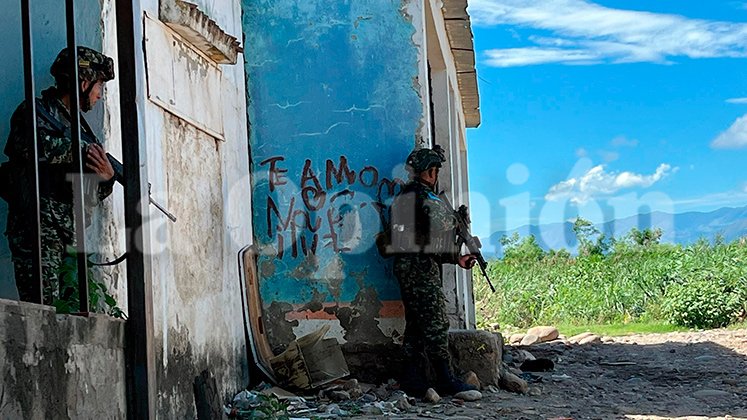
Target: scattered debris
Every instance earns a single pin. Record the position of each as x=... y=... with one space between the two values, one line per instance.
x=311 y=361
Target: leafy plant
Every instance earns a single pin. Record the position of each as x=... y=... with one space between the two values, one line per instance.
x=702 y=303
x=99 y=299
x=269 y=407
x=590 y=240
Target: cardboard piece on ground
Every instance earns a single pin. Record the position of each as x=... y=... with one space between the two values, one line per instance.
x=311 y=361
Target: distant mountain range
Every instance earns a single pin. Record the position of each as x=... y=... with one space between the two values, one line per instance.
x=683 y=228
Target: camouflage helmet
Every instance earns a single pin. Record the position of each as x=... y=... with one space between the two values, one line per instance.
x=421 y=160
x=92 y=66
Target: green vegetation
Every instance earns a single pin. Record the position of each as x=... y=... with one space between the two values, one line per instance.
x=99 y=299
x=634 y=280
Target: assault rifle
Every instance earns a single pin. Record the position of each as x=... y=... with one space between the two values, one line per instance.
x=471 y=242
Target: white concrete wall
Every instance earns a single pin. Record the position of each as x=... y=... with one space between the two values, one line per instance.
x=197 y=311
x=60 y=366
x=450 y=132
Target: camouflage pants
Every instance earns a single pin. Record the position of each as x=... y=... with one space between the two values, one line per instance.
x=56 y=236
x=427 y=327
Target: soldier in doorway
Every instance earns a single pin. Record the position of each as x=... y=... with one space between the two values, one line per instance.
x=55 y=169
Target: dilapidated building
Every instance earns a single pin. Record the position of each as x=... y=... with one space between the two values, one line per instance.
x=275 y=132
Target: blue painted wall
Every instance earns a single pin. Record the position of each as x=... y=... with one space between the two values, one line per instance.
x=334 y=110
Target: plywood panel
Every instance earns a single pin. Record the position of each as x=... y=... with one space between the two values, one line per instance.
x=190 y=88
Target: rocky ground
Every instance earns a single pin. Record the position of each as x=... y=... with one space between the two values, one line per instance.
x=653 y=376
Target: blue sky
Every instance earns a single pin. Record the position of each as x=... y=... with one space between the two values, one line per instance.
x=607 y=108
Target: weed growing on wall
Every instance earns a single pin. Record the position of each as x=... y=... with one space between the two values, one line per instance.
x=99 y=299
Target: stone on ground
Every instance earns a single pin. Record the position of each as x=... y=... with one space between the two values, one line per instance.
x=544 y=333
x=431 y=396
x=710 y=393
x=578 y=337
x=592 y=339
x=512 y=382
x=515 y=338
x=529 y=339
x=522 y=356
x=469 y=395
x=471 y=378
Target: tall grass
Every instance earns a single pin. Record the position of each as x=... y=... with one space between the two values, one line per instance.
x=627 y=284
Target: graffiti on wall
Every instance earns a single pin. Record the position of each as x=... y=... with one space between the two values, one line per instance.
x=326 y=205
x=334 y=109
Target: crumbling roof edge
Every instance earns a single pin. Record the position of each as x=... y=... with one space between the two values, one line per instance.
x=459 y=32
x=198 y=28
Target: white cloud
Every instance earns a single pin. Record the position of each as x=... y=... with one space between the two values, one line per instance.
x=609 y=156
x=737 y=101
x=583 y=32
x=622 y=141
x=597 y=182
x=581 y=152
x=735 y=137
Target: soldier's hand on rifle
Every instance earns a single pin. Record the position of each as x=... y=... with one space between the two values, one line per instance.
x=467 y=261
x=97 y=161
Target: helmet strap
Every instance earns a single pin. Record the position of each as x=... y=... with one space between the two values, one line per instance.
x=85 y=96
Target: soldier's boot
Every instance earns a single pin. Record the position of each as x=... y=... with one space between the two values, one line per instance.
x=413 y=380
x=448 y=384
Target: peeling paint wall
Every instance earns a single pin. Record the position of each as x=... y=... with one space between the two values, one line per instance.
x=203 y=179
x=60 y=366
x=335 y=104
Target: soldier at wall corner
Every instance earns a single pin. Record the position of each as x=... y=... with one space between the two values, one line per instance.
x=53 y=122
x=423 y=237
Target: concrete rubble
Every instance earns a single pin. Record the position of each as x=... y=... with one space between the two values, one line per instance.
x=476 y=356
x=344 y=398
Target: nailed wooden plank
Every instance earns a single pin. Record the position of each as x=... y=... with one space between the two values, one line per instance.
x=454 y=9
x=460 y=34
x=464 y=60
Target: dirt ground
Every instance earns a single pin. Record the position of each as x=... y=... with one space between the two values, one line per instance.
x=653 y=376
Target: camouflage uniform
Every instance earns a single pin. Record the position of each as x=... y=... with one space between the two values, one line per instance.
x=423 y=238
x=56 y=197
